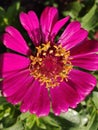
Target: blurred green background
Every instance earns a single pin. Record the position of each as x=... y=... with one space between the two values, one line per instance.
x=85 y=116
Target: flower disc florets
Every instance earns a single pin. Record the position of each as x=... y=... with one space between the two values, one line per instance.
x=51 y=65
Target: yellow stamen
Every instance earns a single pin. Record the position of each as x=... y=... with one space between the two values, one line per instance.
x=51 y=51
x=51 y=65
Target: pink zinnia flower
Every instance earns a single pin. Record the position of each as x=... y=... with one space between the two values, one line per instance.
x=48 y=76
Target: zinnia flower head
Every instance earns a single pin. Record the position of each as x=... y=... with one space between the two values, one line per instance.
x=49 y=76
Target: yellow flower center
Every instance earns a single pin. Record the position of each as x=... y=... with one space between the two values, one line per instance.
x=51 y=65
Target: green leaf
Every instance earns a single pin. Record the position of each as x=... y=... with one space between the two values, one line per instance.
x=72 y=116
x=2 y=12
x=11 y=13
x=30 y=121
x=92 y=124
x=17 y=126
x=50 y=121
x=91 y=120
x=64 y=123
x=95 y=98
x=9 y=17
x=2 y=100
x=2 y=15
x=90 y=20
x=73 y=9
x=95 y=123
x=24 y=116
x=42 y=125
x=8 y=121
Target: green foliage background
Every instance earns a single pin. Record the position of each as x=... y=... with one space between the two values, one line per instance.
x=85 y=116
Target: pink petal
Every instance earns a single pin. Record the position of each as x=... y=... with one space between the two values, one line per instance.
x=72 y=28
x=12 y=62
x=36 y=100
x=59 y=24
x=17 y=89
x=12 y=84
x=85 y=48
x=58 y=101
x=72 y=35
x=31 y=24
x=82 y=82
x=89 y=62
x=14 y=40
x=48 y=19
x=63 y=97
x=70 y=93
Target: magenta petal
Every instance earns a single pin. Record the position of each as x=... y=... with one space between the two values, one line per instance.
x=72 y=28
x=75 y=39
x=82 y=82
x=31 y=95
x=59 y=24
x=14 y=40
x=42 y=105
x=72 y=35
x=36 y=100
x=31 y=24
x=85 y=48
x=63 y=97
x=12 y=62
x=19 y=93
x=89 y=62
x=70 y=93
x=58 y=101
x=16 y=82
x=48 y=19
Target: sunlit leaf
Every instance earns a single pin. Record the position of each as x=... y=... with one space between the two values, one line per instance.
x=95 y=98
x=72 y=116
x=90 y=20
x=73 y=9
